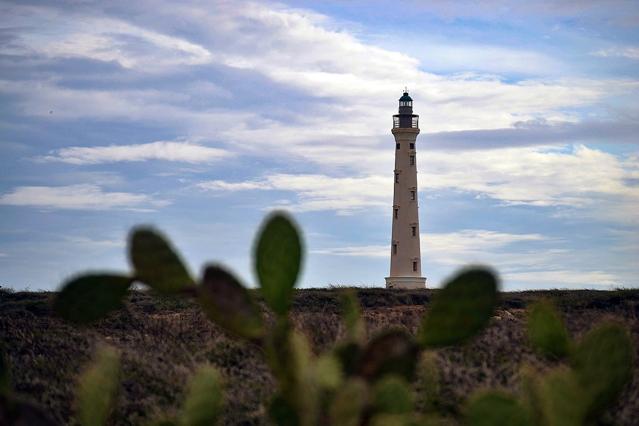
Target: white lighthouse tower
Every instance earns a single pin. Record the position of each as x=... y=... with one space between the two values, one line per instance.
x=405 y=265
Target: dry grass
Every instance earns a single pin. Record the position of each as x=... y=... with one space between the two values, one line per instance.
x=163 y=340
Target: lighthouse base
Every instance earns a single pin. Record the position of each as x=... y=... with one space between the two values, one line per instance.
x=406 y=283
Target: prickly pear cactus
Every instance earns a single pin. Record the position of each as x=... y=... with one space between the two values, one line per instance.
x=357 y=382
x=595 y=371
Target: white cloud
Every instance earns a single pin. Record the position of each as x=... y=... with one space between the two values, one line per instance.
x=563 y=278
x=531 y=265
x=343 y=195
x=347 y=132
x=494 y=9
x=536 y=176
x=579 y=177
x=364 y=77
x=356 y=81
x=356 y=85
x=468 y=245
x=356 y=251
x=220 y=185
x=160 y=150
x=343 y=91
x=537 y=133
x=64 y=34
x=629 y=52
x=91 y=243
x=594 y=181
x=78 y=197
x=541 y=262
x=445 y=55
x=451 y=248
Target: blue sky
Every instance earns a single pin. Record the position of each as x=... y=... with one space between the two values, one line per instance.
x=200 y=117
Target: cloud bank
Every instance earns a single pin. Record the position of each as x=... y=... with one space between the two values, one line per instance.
x=78 y=197
x=528 y=149
x=160 y=150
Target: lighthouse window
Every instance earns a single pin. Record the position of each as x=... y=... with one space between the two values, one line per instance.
x=411 y=145
x=413 y=230
x=397 y=146
x=395 y=211
x=412 y=195
x=412 y=160
x=396 y=177
x=394 y=248
x=414 y=266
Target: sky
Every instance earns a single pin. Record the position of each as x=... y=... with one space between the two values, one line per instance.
x=200 y=117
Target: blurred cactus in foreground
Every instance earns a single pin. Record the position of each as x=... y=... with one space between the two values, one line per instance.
x=357 y=382
x=98 y=388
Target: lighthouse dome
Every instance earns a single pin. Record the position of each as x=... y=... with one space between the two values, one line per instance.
x=405 y=98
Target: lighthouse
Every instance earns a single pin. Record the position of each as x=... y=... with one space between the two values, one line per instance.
x=405 y=264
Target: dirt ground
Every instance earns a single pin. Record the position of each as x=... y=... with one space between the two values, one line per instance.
x=162 y=341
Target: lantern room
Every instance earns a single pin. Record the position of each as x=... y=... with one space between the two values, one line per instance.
x=406 y=118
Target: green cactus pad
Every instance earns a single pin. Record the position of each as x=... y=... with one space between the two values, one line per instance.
x=204 y=400
x=546 y=330
x=495 y=408
x=278 y=258
x=97 y=388
x=164 y=422
x=229 y=304
x=88 y=298
x=384 y=419
x=529 y=386
x=603 y=363
x=348 y=404
x=156 y=263
x=561 y=398
x=291 y=360
x=461 y=309
x=428 y=381
x=279 y=353
x=393 y=395
x=431 y=420
x=351 y=316
x=328 y=371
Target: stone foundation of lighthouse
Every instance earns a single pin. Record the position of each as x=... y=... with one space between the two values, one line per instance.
x=405 y=264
